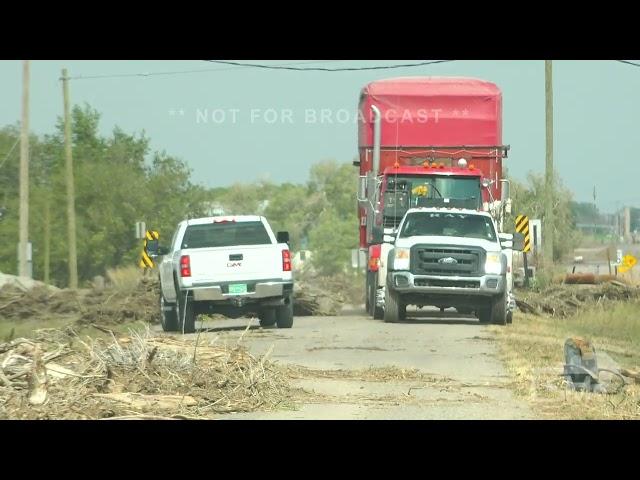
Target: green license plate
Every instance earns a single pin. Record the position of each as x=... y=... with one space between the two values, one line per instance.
x=236 y=288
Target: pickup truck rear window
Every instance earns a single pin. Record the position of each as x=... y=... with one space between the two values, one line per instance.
x=225 y=235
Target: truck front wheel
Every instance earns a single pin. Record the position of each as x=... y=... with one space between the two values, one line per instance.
x=394 y=311
x=499 y=310
x=186 y=313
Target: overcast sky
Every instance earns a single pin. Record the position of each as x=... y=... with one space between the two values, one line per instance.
x=234 y=124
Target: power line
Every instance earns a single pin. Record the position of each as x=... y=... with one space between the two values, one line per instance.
x=180 y=72
x=629 y=63
x=324 y=69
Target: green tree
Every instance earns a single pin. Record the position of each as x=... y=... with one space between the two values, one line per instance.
x=528 y=199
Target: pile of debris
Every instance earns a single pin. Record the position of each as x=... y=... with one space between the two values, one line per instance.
x=313 y=295
x=325 y=296
x=105 y=306
x=58 y=375
x=565 y=299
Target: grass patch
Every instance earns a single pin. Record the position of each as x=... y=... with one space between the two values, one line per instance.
x=532 y=349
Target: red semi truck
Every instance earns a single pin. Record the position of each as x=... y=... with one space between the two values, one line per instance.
x=425 y=141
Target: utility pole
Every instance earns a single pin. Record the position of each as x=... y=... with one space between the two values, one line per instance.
x=47 y=239
x=23 y=260
x=71 y=209
x=550 y=193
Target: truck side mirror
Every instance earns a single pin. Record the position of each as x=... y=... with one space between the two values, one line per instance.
x=518 y=241
x=282 y=237
x=162 y=251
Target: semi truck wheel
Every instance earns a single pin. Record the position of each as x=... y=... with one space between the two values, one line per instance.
x=378 y=312
x=392 y=309
x=186 y=314
x=267 y=317
x=168 y=315
x=284 y=314
x=369 y=293
x=499 y=310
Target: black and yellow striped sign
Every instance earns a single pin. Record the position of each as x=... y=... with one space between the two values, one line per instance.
x=145 y=259
x=522 y=226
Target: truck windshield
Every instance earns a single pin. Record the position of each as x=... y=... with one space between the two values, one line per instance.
x=404 y=192
x=448 y=224
x=461 y=188
x=225 y=235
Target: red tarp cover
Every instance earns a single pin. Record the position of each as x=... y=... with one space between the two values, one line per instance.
x=426 y=111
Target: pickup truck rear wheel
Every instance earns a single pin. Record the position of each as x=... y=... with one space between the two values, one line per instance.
x=168 y=316
x=284 y=314
x=186 y=314
x=267 y=317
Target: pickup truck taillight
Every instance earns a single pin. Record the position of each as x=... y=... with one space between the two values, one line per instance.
x=286 y=261
x=185 y=266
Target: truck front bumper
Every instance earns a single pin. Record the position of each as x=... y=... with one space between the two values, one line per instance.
x=405 y=282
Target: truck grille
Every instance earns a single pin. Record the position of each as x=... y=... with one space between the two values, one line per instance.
x=446 y=260
x=433 y=282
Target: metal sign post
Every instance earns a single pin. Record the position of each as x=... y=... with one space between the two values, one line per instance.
x=141 y=230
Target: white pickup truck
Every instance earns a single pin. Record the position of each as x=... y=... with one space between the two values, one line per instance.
x=449 y=257
x=231 y=265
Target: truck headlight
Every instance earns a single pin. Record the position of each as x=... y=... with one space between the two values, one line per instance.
x=401 y=259
x=493 y=265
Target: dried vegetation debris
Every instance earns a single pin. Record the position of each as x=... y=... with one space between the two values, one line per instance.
x=564 y=300
x=135 y=376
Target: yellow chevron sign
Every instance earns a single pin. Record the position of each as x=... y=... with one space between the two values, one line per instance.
x=522 y=226
x=145 y=259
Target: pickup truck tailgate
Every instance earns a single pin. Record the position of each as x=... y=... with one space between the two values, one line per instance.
x=228 y=264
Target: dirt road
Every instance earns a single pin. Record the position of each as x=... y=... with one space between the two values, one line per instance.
x=434 y=366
